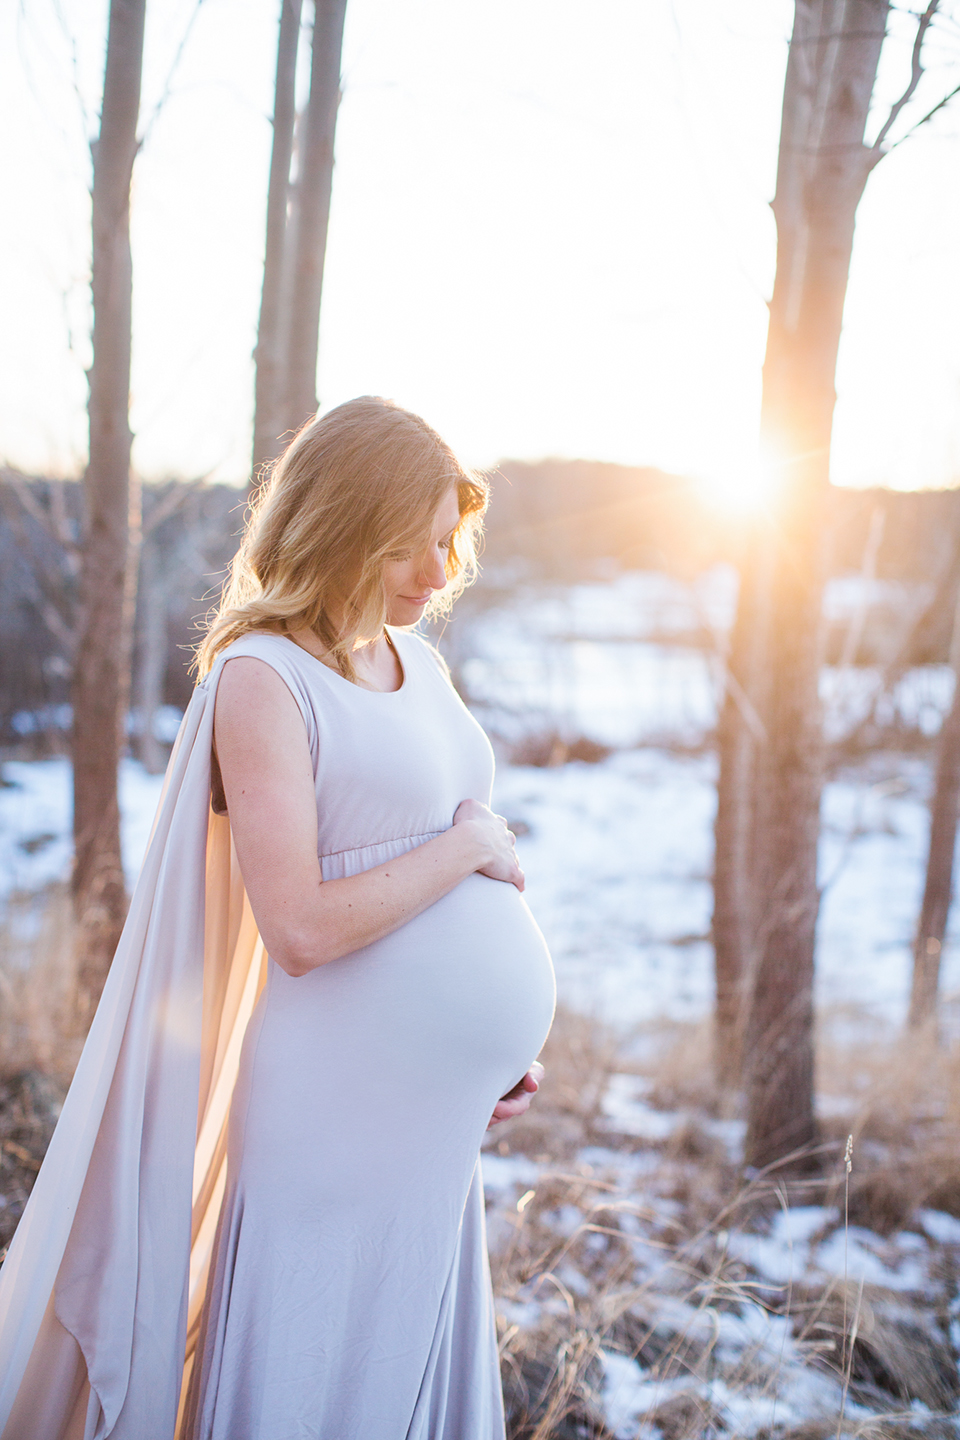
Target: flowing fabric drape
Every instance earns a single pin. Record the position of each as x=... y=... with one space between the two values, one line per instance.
x=100 y=1294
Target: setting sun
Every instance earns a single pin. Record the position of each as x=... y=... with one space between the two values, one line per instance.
x=746 y=487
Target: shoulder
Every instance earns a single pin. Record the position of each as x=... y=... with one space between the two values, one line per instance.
x=274 y=650
x=263 y=675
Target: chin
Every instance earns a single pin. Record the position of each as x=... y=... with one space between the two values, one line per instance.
x=404 y=613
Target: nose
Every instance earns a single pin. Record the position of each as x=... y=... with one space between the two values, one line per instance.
x=433 y=572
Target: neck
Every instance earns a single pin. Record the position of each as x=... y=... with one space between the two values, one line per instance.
x=375 y=661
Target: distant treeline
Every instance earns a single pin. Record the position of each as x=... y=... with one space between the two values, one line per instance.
x=550 y=520
x=565 y=515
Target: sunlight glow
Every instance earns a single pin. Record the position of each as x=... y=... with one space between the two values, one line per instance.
x=747 y=487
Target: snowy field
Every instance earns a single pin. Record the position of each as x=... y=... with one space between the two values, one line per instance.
x=617 y=857
x=618 y=854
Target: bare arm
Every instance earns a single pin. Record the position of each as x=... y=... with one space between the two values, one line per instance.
x=269 y=787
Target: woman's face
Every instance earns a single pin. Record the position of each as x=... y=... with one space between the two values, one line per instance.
x=410 y=580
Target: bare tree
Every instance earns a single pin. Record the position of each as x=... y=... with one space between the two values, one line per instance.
x=766 y=897
x=314 y=185
x=269 y=419
x=938 y=886
x=111 y=520
x=298 y=213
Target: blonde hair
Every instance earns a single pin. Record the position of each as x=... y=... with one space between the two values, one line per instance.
x=355 y=488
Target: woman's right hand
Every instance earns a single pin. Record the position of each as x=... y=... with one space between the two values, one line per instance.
x=496 y=842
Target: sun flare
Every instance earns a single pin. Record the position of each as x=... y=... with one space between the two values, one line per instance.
x=746 y=487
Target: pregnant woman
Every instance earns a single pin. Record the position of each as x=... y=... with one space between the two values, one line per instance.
x=339 y=1287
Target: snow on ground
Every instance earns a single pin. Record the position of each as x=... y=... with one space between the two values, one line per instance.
x=617 y=858
x=618 y=861
x=618 y=855
x=36 y=814
x=738 y=1320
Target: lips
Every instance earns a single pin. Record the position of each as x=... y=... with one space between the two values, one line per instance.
x=415 y=599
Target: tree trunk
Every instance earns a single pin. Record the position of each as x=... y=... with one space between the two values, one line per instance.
x=938 y=889
x=314 y=183
x=740 y=733
x=822 y=170
x=268 y=421
x=111 y=520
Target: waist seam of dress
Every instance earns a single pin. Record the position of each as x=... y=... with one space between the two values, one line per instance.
x=375 y=844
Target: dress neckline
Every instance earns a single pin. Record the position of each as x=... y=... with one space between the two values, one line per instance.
x=367 y=689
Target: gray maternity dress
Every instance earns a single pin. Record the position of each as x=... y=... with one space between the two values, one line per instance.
x=350 y=1293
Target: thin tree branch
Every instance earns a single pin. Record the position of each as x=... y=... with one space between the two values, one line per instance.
x=52 y=523
x=165 y=93
x=48 y=593
x=71 y=40
x=929 y=116
x=916 y=73
x=178 y=495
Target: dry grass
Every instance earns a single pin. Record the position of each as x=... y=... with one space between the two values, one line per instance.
x=566 y=1252
x=621 y=1243
x=38 y=1044
x=37 y=986
x=903 y=1095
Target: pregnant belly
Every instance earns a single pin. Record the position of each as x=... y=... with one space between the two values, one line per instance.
x=442 y=1017
x=481 y=981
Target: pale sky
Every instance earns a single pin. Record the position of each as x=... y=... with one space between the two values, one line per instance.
x=550 y=234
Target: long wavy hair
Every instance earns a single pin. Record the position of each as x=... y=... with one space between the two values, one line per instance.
x=357 y=487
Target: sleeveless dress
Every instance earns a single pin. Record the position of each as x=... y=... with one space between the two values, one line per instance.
x=350 y=1293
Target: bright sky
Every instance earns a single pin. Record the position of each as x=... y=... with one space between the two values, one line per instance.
x=550 y=234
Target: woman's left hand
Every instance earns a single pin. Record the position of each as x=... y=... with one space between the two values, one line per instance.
x=518 y=1099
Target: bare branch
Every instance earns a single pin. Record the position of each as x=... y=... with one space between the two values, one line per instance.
x=178 y=494
x=71 y=40
x=916 y=73
x=167 y=84
x=48 y=593
x=38 y=512
x=929 y=116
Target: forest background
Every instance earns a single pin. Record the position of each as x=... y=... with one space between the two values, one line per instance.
x=556 y=242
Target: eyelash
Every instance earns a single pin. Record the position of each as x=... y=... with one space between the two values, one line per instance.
x=398 y=556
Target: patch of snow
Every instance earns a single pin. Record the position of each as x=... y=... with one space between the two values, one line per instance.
x=628 y=1167
x=37 y=801
x=940 y=1226
x=524 y=1314
x=501 y=1172
x=767 y=1256
x=730 y=1133
x=798 y=1224
x=855 y=1255
x=628 y=1392
x=626 y=1112
x=782 y=1256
